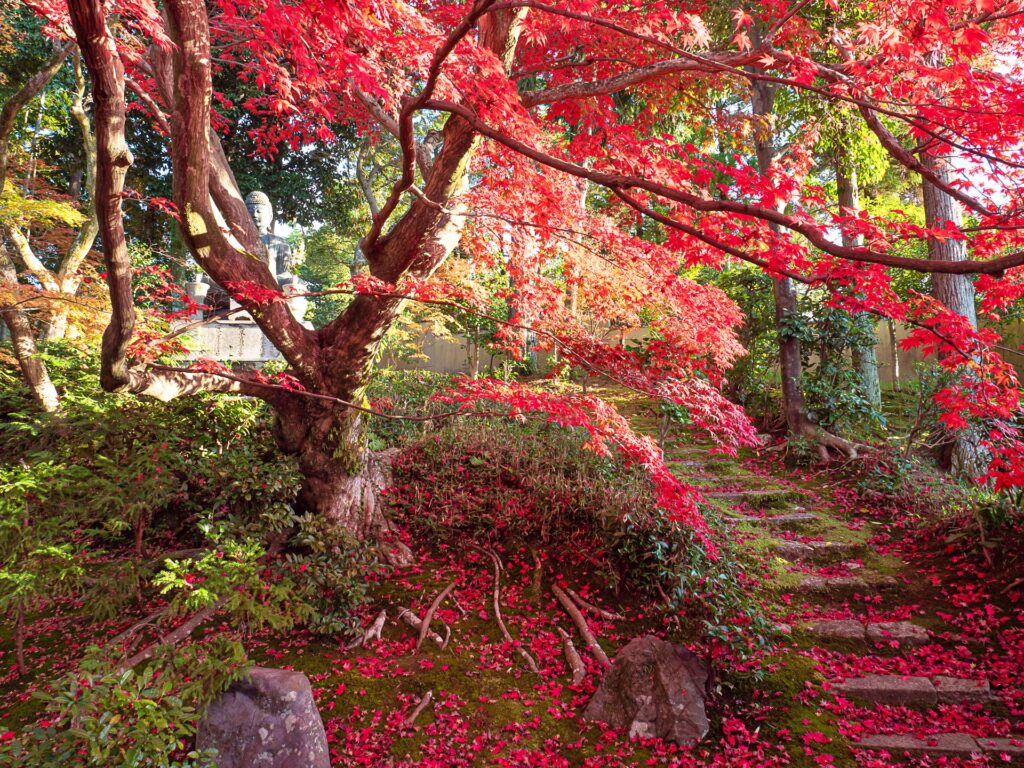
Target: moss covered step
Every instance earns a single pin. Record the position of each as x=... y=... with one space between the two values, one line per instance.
x=868 y=583
x=912 y=691
x=902 y=633
x=787 y=521
x=756 y=497
x=950 y=744
x=815 y=551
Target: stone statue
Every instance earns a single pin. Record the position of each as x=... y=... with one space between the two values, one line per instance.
x=280 y=258
x=279 y=253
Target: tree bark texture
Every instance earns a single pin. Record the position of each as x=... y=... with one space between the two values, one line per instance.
x=961 y=451
x=24 y=343
x=783 y=291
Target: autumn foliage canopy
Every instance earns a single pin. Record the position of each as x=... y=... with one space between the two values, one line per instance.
x=615 y=140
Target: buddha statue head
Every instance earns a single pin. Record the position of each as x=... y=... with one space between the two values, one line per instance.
x=261 y=210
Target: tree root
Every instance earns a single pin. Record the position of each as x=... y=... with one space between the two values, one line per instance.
x=823 y=442
x=606 y=615
x=581 y=625
x=423 y=704
x=410 y=618
x=372 y=632
x=572 y=658
x=530 y=662
x=429 y=615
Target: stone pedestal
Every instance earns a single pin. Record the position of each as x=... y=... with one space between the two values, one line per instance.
x=241 y=342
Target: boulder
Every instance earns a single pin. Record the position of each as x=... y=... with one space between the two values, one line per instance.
x=653 y=689
x=267 y=720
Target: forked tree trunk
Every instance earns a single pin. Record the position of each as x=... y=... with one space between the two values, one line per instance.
x=961 y=450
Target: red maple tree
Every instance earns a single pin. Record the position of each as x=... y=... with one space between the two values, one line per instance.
x=509 y=114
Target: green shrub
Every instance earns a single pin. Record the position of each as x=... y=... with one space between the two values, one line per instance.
x=539 y=486
x=100 y=715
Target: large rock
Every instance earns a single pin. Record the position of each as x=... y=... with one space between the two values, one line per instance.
x=268 y=720
x=653 y=689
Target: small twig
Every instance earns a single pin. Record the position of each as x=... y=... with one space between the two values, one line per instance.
x=606 y=615
x=410 y=618
x=429 y=616
x=581 y=625
x=668 y=606
x=572 y=658
x=424 y=703
x=1011 y=585
x=501 y=622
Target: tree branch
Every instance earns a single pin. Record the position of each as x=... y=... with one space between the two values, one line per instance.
x=810 y=231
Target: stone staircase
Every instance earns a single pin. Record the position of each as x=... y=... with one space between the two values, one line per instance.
x=805 y=543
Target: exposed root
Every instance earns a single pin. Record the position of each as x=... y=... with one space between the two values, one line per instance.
x=410 y=618
x=606 y=615
x=572 y=658
x=372 y=632
x=538 y=572
x=424 y=703
x=530 y=662
x=581 y=625
x=429 y=616
x=824 y=443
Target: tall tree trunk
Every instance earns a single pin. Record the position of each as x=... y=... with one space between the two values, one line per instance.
x=961 y=451
x=783 y=291
x=784 y=294
x=862 y=350
x=894 y=356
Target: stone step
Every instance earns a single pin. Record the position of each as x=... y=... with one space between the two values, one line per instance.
x=845 y=584
x=951 y=744
x=912 y=691
x=788 y=521
x=814 y=551
x=748 y=494
x=903 y=633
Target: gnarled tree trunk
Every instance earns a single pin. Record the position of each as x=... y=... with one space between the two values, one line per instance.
x=323 y=425
x=24 y=343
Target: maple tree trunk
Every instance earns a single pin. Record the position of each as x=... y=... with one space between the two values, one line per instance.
x=790 y=370
x=961 y=450
x=894 y=355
